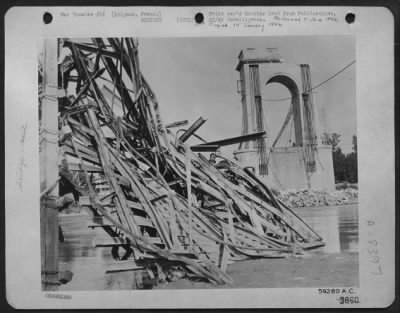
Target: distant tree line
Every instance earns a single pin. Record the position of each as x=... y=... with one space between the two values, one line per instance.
x=344 y=165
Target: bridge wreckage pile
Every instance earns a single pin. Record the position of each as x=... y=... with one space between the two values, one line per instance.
x=167 y=209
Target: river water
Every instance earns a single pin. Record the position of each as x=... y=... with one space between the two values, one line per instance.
x=337 y=225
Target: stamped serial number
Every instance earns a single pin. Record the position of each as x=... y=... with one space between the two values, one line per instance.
x=348 y=300
x=346 y=295
x=58 y=296
x=331 y=291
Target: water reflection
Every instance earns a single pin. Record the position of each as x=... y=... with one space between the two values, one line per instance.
x=338 y=226
x=348 y=229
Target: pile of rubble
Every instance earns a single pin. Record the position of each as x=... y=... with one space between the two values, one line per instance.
x=169 y=212
x=313 y=197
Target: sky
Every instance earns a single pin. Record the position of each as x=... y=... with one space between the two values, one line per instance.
x=195 y=77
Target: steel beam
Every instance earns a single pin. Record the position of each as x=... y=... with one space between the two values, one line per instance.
x=192 y=129
x=234 y=140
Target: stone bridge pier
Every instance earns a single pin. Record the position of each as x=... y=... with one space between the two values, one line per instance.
x=306 y=163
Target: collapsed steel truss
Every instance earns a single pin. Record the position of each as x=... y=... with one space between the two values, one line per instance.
x=166 y=207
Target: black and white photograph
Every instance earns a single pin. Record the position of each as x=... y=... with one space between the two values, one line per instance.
x=198 y=163
x=199 y=157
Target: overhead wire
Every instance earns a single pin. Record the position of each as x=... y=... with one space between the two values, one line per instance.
x=318 y=85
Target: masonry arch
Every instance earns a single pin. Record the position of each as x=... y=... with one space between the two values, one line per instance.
x=286 y=81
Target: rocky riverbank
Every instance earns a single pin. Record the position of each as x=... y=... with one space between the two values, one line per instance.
x=312 y=197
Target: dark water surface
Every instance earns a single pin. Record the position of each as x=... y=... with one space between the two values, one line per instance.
x=337 y=225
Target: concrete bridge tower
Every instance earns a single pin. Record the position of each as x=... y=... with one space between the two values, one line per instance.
x=306 y=163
